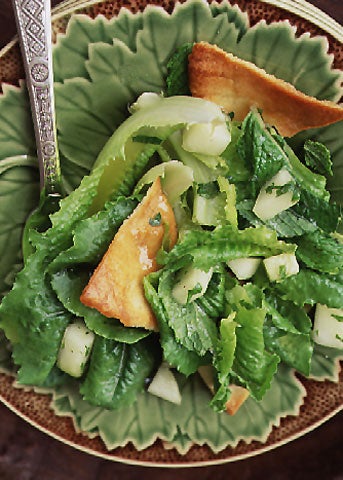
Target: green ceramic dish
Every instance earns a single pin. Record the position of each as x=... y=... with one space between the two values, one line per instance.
x=101 y=66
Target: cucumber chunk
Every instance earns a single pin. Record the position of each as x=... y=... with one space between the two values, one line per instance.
x=191 y=279
x=244 y=268
x=75 y=349
x=269 y=203
x=206 y=138
x=164 y=385
x=328 y=326
x=281 y=266
x=176 y=178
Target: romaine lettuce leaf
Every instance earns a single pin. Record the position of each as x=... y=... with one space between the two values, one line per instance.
x=317 y=210
x=295 y=349
x=261 y=153
x=320 y=251
x=265 y=153
x=287 y=224
x=317 y=157
x=213 y=301
x=306 y=179
x=253 y=365
x=116 y=159
x=312 y=287
x=192 y=327
x=92 y=235
x=285 y=315
x=211 y=248
x=286 y=329
x=34 y=321
x=31 y=315
x=184 y=360
x=223 y=360
x=248 y=295
x=68 y=286
x=117 y=372
x=238 y=168
x=177 y=67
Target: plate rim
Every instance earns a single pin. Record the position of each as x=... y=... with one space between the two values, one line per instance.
x=174 y=465
x=302 y=8
x=314 y=15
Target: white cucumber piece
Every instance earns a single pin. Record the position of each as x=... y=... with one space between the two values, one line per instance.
x=280 y=266
x=328 y=326
x=205 y=210
x=206 y=138
x=244 y=268
x=145 y=100
x=75 y=349
x=269 y=204
x=176 y=178
x=164 y=385
x=188 y=280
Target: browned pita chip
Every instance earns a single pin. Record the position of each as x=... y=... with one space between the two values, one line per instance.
x=237 y=86
x=238 y=394
x=116 y=287
x=237 y=398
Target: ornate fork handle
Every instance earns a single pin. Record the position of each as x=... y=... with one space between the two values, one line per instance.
x=33 y=19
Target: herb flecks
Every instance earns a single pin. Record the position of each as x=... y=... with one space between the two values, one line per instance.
x=156 y=220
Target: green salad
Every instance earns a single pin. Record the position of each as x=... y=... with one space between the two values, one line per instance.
x=253 y=281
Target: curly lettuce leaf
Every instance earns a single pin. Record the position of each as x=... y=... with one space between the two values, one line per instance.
x=211 y=248
x=31 y=316
x=92 y=235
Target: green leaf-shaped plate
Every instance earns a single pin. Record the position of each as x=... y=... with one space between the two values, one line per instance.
x=101 y=65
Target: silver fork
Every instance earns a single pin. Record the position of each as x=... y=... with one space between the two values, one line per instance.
x=33 y=18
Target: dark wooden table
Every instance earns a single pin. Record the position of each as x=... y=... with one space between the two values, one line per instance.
x=28 y=454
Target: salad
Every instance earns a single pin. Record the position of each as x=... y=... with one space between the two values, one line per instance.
x=245 y=274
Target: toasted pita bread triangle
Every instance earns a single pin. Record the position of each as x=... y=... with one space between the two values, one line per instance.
x=116 y=287
x=237 y=86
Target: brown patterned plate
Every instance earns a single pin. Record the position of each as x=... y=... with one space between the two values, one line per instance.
x=323 y=398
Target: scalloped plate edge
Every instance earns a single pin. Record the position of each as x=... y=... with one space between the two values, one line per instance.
x=127 y=461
